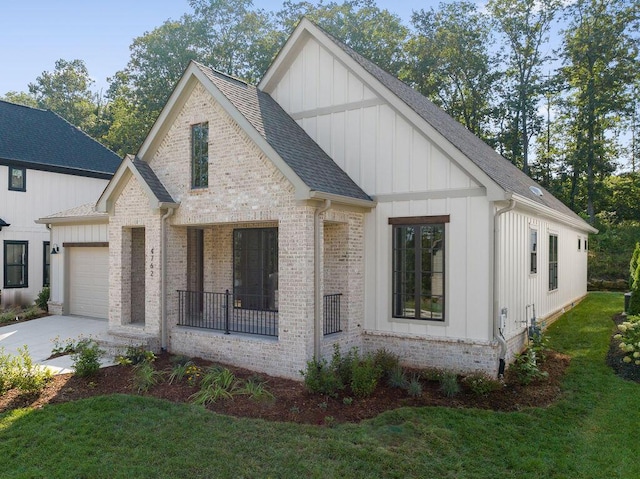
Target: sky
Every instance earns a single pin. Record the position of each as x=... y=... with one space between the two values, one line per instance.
x=34 y=34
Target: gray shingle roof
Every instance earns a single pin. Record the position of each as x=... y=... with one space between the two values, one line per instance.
x=499 y=169
x=40 y=139
x=305 y=157
x=152 y=181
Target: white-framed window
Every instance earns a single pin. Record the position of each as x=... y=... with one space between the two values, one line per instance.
x=553 y=261
x=533 y=251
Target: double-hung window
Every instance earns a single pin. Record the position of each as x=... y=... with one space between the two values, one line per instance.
x=16 y=264
x=553 y=262
x=419 y=267
x=200 y=155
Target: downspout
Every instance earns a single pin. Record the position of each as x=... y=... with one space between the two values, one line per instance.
x=498 y=326
x=163 y=280
x=317 y=317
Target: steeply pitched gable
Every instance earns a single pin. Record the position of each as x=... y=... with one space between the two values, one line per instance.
x=41 y=140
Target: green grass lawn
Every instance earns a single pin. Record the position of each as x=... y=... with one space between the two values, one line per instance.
x=591 y=433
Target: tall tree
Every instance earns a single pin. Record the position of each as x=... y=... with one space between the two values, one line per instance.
x=600 y=65
x=449 y=62
x=525 y=25
x=378 y=35
x=21 y=98
x=67 y=91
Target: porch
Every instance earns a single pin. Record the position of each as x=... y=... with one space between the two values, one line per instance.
x=244 y=313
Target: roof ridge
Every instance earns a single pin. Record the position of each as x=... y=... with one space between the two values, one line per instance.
x=223 y=74
x=13 y=103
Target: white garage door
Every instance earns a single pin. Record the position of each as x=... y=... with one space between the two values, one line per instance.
x=89 y=281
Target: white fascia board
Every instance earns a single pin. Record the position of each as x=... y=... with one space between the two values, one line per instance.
x=526 y=204
x=71 y=220
x=343 y=200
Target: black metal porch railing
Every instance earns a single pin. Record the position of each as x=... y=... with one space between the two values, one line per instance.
x=225 y=312
x=332 y=313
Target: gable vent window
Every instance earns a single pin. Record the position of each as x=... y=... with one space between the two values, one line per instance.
x=200 y=155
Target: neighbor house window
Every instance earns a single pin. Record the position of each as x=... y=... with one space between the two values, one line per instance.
x=579 y=243
x=17 y=178
x=553 y=262
x=255 y=268
x=533 y=251
x=200 y=155
x=16 y=264
x=418 y=267
x=46 y=263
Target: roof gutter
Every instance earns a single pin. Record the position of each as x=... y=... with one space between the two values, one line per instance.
x=498 y=325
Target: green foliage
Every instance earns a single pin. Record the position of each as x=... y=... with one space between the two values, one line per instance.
x=217 y=383
x=526 y=368
x=634 y=302
x=342 y=365
x=449 y=384
x=480 y=384
x=364 y=377
x=397 y=378
x=611 y=248
x=179 y=371
x=386 y=361
x=320 y=378
x=136 y=355
x=256 y=388
x=43 y=298
x=86 y=358
x=629 y=337
x=145 y=376
x=633 y=266
x=414 y=386
x=19 y=372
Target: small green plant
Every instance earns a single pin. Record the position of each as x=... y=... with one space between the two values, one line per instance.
x=179 y=371
x=193 y=372
x=136 y=355
x=63 y=348
x=19 y=372
x=217 y=383
x=364 y=377
x=629 y=337
x=397 y=378
x=386 y=361
x=256 y=389
x=347 y=401
x=86 y=358
x=449 y=384
x=323 y=405
x=342 y=365
x=329 y=421
x=31 y=312
x=145 y=376
x=42 y=299
x=320 y=378
x=414 y=386
x=526 y=368
x=432 y=374
x=480 y=384
x=9 y=316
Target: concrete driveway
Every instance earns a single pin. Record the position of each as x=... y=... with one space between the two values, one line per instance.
x=39 y=335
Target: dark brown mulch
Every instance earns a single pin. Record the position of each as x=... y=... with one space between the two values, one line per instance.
x=292 y=402
x=628 y=371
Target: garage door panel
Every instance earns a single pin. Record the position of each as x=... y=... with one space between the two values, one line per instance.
x=89 y=281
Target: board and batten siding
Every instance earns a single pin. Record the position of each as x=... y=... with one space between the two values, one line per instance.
x=409 y=175
x=519 y=288
x=46 y=193
x=72 y=233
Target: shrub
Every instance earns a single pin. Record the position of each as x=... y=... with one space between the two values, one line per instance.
x=136 y=355
x=342 y=365
x=20 y=373
x=42 y=299
x=449 y=384
x=256 y=388
x=396 y=378
x=387 y=361
x=217 y=383
x=86 y=358
x=320 y=378
x=364 y=377
x=145 y=376
x=526 y=368
x=179 y=371
x=480 y=384
x=633 y=266
x=629 y=336
x=414 y=386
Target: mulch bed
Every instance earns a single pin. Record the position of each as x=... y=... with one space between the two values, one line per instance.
x=292 y=402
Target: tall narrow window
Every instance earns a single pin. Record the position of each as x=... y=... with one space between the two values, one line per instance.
x=17 y=179
x=46 y=263
x=553 y=262
x=16 y=264
x=418 y=268
x=533 y=251
x=255 y=268
x=200 y=155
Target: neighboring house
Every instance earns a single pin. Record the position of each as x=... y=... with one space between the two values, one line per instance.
x=46 y=164
x=330 y=205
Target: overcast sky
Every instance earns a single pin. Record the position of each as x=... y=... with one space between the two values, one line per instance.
x=36 y=33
